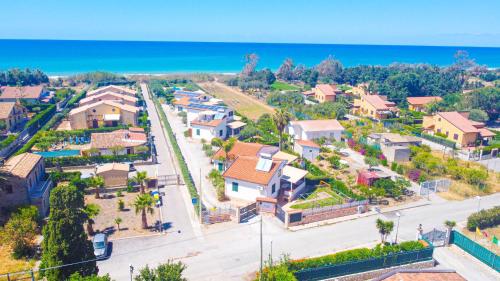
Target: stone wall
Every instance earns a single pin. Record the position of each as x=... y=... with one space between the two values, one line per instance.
x=326 y=215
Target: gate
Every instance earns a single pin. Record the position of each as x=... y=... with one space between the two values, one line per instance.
x=436 y=237
x=427 y=187
x=164 y=180
x=280 y=214
x=247 y=212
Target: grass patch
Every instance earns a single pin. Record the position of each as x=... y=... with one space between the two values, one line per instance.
x=10 y=264
x=320 y=197
x=283 y=86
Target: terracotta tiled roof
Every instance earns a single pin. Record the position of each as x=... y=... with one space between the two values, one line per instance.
x=421 y=275
x=422 y=100
x=244 y=169
x=112 y=167
x=6 y=109
x=327 y=89
x=211 y=123
x=182 y=101
x=459 y=121
x=115 y=96
x=124 y=138
x=111 y=88
x=124 y=107
x=21 y=165
x=318 y=125
x=307 y=143
x=240 y=149
x=26 y=92
x=486 y=133
x=378 y=102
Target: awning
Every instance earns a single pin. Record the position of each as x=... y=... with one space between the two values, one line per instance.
x=486 y=133
x=236 y=124
x=111 y=117
x=280 y=155
x=293 y=174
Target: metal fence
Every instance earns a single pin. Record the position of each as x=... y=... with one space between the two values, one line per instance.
x=325 y=209
x=427 y=187
x=481 y=253
x=353 y=267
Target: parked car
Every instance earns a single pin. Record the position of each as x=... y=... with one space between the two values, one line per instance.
x=100 y=243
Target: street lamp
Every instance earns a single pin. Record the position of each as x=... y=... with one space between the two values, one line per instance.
x=397 y=227
x=478 y=203
x=131 y=271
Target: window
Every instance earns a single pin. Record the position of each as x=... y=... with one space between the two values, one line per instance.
x=113 y=109
x=273 y=188
x=447 y=133
x=197 y=132
x=439 y=130
x=8 y=188
x=220 y=133
x=439 y=119
x=220 y=166
x=230 y=113
x=93 y=110
x=235 y=187
x=455 y=136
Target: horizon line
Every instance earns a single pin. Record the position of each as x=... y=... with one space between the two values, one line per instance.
x=243 y=42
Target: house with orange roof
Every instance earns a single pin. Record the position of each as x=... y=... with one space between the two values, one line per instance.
x=315 y=129
x=376 y=107
x=30 y=94
x=25 y=183
x=253 y=170
x=114 y=89
x=208 y=125
x=457 y=127
x=129 y=141
x=13 y=114
x=420 y=103
x=111 y=96
x=326 y=92
x=104 y=113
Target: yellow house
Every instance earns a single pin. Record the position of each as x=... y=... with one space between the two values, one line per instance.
x=113 y=89
x=420 y=103
x=124 y=99
x=456 y=127
x=12 y=113
x=326 y=92
x=103 y=114
x=374 y=106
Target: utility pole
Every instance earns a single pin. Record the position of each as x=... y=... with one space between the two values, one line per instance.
x=131 y=271
x=397 y=228
x=261 y=252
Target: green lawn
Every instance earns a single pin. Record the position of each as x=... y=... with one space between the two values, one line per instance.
x=282 y=86
x=334 y=199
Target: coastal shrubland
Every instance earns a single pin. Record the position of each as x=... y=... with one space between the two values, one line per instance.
x=19 y=77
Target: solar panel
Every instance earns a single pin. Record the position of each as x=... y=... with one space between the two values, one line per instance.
x=264 y=165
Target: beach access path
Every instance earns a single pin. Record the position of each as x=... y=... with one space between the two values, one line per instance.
x=239 y=101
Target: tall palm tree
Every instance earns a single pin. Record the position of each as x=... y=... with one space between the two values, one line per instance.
x=281 y=119
x=91 y=210
x=144 y=203
x=96 y=182
x=141 y=178
x=384 y=228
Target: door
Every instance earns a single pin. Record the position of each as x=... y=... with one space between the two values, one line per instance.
x=95 y=124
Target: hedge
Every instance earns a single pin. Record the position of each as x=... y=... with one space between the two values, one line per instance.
x=87 y=160
x=41 y=116
x=6 y=142
x=484 y=219
x=355 y=255
x=439 y=140
x=57 y=176
x=177 y=151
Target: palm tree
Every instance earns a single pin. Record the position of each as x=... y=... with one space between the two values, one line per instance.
x=281 y=119
x=96 y=182
x=141 y=178
x=144 y=203
x=91 y=210
x=118 y=221
x=384 y=228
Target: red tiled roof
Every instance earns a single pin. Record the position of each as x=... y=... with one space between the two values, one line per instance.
x=244 y=169
x=459 y=121
x=307 y=143
x=182 y=101
x=26 y=92
x=240 y=149
x=378 y=102
x=327 y=89
x=422 y=100
x=124 y=138
x=211 y=123
x=486 y=133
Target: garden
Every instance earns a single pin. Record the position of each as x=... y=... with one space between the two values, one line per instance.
x=487 y=223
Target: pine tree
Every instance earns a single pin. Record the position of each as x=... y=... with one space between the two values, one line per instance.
x=65 y=240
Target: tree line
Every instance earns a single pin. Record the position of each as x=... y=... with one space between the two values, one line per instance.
x=19 y=77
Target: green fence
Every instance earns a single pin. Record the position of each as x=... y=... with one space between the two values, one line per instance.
x=476 y=250
x=396 y=259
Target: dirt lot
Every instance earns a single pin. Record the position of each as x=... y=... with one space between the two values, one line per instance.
x=483 y=240
x=244 y=104
x=131 y=225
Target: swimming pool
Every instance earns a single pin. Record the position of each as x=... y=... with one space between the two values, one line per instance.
x=59 y=153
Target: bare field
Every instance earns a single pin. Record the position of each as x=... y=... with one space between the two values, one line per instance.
x=243 y=103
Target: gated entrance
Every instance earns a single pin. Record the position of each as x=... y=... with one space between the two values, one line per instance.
x=247 y=212
x=436 y=237
x=434 y=186
x=165 y=180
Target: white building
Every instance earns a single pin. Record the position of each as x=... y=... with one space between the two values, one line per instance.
x=208 y=125
x=315 y=129
x=306 y=149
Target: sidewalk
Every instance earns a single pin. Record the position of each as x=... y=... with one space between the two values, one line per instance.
x=466 y=265
x=196 y=160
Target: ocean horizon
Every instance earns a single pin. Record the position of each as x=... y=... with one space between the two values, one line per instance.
x=67 y=57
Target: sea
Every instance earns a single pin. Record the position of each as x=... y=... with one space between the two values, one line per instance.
x=68 y=57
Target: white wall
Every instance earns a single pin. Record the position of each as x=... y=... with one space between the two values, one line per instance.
x=317 y=135
x=309 y=153
x=208 y=133
x=250 y=191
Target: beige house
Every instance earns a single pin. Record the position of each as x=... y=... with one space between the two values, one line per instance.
x=374 y=106
x=13 y=114
x=420 y=103
x=326 y=92
x=103 y=114
x=127 y=140
x=30 y=94
x=114 y=174
x=26 y=183
x=114 y=89
x=119 y=98
x=456 y=127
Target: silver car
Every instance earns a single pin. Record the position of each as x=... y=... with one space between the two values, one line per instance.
x=100 y=243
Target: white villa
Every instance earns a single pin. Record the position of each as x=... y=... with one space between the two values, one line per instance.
x=315 y=129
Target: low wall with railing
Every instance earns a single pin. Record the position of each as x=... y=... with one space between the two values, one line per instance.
x=481 y=253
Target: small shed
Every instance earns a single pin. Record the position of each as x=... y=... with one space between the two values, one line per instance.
x=307 y=149
x=114 y=174
x=368 y=177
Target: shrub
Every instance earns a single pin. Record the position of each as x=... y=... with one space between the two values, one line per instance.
x=121 y=205
x=217 y=142
x=484 y=219
x=119 y=193
x=219 y=184
x=7 y=141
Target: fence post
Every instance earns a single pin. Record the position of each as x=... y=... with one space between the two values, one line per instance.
x=32 y=275
x=8 y=276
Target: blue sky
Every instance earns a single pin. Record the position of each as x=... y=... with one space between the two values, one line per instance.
x=394 y=22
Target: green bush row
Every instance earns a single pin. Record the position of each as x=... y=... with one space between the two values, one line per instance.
x=355 y=255
x=87 y=160
x=439 y=140
x=6 y=142
x=41 y=116
x=484 y=219
x=177 y=151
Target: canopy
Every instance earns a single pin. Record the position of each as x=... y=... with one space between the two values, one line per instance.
x=293 y=174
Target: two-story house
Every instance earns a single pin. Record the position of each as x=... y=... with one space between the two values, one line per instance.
x=374 y=106
x=111 y=96
x=315 y=129
x=103 y=114
x=420 y=103
x=326 y=92
x=25 y=183
x=114 y=89
x=13 y=114
x=30 y=94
